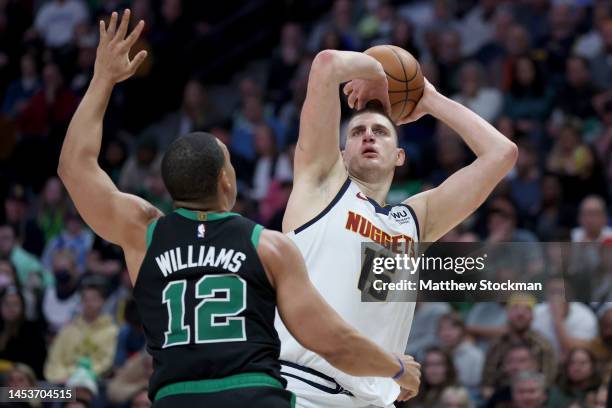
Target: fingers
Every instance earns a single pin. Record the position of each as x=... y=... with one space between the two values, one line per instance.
x=352 y=98
x=133 y=37
x=348 y=88
x=102 y=32
x=136 y=61
x=123 y=27
x=112 y=26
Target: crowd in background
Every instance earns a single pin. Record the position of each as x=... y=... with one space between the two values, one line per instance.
x=539 y=70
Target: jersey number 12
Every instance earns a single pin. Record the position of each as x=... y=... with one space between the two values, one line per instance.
x=215 y=318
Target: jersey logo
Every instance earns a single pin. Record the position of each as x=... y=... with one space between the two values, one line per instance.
x=400 y=215
x=361 y=196
x=201 y=230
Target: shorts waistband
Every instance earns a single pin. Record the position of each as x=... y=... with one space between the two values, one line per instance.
x=313 y=378
x=218 y=384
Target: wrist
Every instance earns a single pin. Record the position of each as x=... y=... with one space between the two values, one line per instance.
x=401 y=370
x=102 y=80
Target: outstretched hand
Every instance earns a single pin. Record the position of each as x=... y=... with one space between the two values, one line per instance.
x=112 y=57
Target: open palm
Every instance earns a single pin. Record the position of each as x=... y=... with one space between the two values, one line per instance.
x=112 y=57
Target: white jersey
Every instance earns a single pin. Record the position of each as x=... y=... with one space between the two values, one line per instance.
x=331 y=246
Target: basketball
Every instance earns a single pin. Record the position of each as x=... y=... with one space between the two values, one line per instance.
x=405 y=78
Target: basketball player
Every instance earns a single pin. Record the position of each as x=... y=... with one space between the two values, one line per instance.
x=206 y=281
x=338 y=202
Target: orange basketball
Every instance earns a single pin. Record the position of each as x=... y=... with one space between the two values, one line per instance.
x=405 y=78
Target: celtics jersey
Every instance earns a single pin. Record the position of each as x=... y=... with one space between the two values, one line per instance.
x=205 y=301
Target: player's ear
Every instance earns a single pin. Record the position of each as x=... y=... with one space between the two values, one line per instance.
x=401 y=157
x=225 y=184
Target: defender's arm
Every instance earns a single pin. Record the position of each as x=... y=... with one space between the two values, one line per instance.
x=442 y=208
x=115 y=216
x=316 y=325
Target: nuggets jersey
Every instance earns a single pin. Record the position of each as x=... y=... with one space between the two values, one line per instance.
x=331 y=246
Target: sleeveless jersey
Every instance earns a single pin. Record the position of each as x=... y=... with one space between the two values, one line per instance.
x=205 y=301
x=331 y=246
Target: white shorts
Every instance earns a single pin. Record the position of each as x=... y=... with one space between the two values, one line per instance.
x=314 y=391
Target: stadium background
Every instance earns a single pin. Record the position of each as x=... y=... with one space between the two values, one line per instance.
x=540 y=70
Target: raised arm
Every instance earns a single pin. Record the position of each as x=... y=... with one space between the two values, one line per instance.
x=317 y=326
x=115 y=216
x=442 y=208
x=317 y=153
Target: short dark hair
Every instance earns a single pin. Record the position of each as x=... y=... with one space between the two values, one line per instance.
x=191 y=167
x=375 y=106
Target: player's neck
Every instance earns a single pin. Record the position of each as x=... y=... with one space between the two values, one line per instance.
x=204 y=206
x=377 y=191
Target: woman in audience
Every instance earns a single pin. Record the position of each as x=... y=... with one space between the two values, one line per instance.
x=20 y=340
x=438 y=373
x=578 y=376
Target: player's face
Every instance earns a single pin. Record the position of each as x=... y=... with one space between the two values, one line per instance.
x=371 y=149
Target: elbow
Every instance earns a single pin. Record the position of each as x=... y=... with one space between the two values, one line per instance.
x=324 y=63
x=510 y=154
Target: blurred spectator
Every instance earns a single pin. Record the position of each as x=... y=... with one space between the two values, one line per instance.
x=518 y=358
x=530 y=98
x=196 y=113
x=49 y=109
x=20 y=376
x=246 y=121
x=485 y=101
x=16 y=207
x=75 y=237
x=52 y=208
x=8 y=278
x=525 y=184
x=270 y=164
x=554 y=214
x=601 y=65
x=578 y=376
x=423 y=332
x=493 y=53
x=561 y=320
x=83 y=381
x=139 y=166
x=87 y=43
x=378 y=20
x=455 y=397
x=529 y=390
x=339 y=19
x=450 y=154
x=132 y=377
x=468 y=359
x=402 y=35
x=561 y=35
x=141 y=399
x=438 y=373
x=517 y=44
x=520 y=317
x=602 y=397
x=449 y=59
x=576 y=164
x=29 y=269
x=61 y=301
x=154 y=191
x=57 y=21
x=576 y=96
x=593 y=220
x=284 y=63
x=21 y=340
x=23 y=88
x=485 y=321
x=90 y=335
x=131 y=337
x=477 y=26
x=589 y=44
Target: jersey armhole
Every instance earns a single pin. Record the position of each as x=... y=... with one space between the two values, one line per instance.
x=150 y=230
x=416 y=221
x=255 y=235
